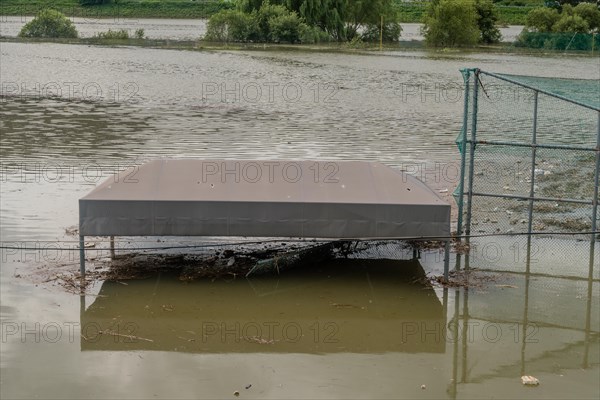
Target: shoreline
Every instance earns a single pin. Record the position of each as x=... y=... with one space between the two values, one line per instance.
x=364 y=48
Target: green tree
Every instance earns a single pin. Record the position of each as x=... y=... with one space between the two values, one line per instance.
x=232 y=26
x=285 y=28
x=451 y=23
x=541 y=19
x=368 y=13
x=391 y=32
x=487 y=18
x=328 y=15
x=248 y=6
x=341 y=19
x=571 y=23
x=49 y=24
x=569 y=29
x=264 y=14
x=277 y=23
x=590 y=13
x=583 y=18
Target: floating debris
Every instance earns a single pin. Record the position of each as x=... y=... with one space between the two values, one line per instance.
x=338 y=305
x=72 y=230
x=529 y=380
x=290 y=259
x=236 y=393
x=131 y=337
x=259 y=340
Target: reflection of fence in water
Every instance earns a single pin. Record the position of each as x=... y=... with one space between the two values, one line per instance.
x=544 y=340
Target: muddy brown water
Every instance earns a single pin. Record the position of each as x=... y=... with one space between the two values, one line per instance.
x=356 y=328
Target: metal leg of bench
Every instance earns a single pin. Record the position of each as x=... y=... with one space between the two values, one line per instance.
x=82 y=256
x=446 y=260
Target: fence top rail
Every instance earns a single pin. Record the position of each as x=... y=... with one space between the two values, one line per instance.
x=547 y=93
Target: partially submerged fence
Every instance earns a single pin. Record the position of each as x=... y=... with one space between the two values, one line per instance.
x=530 y=157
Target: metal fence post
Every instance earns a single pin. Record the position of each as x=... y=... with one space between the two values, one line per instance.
x=533 y=156
x=463 y=151
x=472 y=152
x=82 y=256
x=595 y=201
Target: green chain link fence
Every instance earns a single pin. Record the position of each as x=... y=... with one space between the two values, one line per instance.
x=530 y=165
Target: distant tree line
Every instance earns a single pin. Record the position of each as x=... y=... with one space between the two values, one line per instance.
x=457 y=23
x=559 y=24
x=306 y=21
x=562 y=27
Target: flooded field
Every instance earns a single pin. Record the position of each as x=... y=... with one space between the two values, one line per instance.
x=71 y=115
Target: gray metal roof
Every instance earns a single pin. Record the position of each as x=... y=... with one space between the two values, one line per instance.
x=263 y=198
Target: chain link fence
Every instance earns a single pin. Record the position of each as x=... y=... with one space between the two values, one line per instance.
x=529 y=167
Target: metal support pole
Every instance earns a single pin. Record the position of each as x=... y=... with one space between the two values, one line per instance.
x=592 y=250
x=112 y=247
x=465 y=337
x=588 y=311
x=525 y=322
x=595 y=201
x=82 y=255
x=446 y=260
x=472 y=152
x=463 y=152
x=455 y=333
x=533 y=157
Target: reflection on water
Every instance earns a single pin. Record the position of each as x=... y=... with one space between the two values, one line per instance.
x=491 y=332
x=379 y=309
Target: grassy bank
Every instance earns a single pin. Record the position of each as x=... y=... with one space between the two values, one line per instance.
x=408 y=11
x=120 y=9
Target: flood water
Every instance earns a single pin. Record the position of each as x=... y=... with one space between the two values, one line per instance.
x=73 y=114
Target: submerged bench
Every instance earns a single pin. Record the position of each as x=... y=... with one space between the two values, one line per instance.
x=264 y=198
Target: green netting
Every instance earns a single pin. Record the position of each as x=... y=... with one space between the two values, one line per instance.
x=504 y=113
x=586 y=91
x=572 y=41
